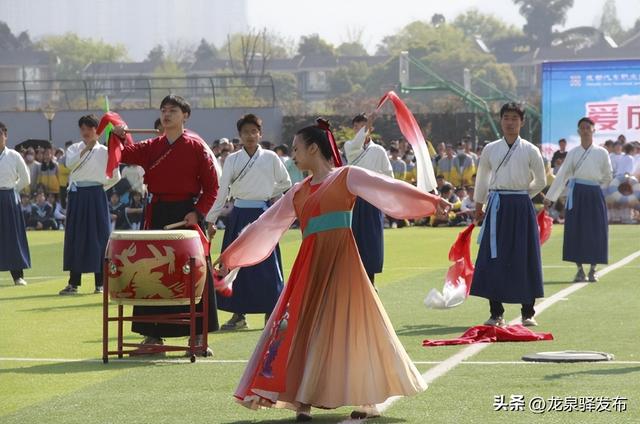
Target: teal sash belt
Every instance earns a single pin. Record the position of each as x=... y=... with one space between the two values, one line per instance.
x=328 y=221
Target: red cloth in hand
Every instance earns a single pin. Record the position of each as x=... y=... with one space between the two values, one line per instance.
x=460 y=255
x=490 y=334
x=114 y=144
x=545 y=223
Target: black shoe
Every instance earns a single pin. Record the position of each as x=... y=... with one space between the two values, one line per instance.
x=580 y=277
x=69 y=290
x=593 y=276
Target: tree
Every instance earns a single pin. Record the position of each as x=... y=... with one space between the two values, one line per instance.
x=488 y=27
x=250 y=52
x=9 y=42
x=542 y=16
x=314 y=45
x=205 y=51
x=353 y=48
x=156 y=54
x=76 y=53
x=609 y=23
x=438 y=19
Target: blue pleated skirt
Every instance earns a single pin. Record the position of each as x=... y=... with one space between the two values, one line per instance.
x=14 y=249
x=87 y=231
x=256 y=288
x=367 y=226
x=586 y=230
x=515 y=275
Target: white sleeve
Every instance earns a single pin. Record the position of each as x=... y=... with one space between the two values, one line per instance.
x=24 y=179
x=482 y=177
x=560 y=180
x=352 y=148
x=223 y=191
x=536 y=165
x=73 y=155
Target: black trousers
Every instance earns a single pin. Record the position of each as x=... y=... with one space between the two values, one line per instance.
x=75 y=279
x=497 y=310
x=164 y=213
x=17 y=273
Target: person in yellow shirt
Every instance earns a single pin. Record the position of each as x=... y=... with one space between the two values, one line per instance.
x=63 y=174
x=48 y=173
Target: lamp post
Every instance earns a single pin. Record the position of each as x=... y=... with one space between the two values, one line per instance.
x=49 y=113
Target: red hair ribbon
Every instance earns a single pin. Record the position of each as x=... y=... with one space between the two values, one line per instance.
x=324 y=125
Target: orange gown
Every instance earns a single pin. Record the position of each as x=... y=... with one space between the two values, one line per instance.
x=329 y=342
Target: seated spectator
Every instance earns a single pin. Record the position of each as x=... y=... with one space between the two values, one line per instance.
x=59 y=214
x=135 y=210
x=47 y=174
x=26 y=207
x=42 y=215
x=441 y=217
x=465 y=215
x=398 y=166
x=117 y=211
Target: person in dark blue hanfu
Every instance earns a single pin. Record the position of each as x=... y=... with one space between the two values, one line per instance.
x=368 y=221
x=14 y=176
x=585 y=169
x=252 y=176
x=508 y=267
x=88 y=222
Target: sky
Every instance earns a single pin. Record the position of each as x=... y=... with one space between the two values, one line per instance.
x=187 y=21
x=335 y=20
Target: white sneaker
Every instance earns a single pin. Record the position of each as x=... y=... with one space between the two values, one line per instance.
x=19 y=282
x=394 y=225
x=496 y=322
x=529 y=322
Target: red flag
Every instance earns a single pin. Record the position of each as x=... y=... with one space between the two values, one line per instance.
x=457 y=283
x=114 y=144
x=545 y=223
x=426 y=179
x=460 y=254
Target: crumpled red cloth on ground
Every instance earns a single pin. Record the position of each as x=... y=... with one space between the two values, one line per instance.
x=490 y=334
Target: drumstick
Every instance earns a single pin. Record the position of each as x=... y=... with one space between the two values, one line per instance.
x=175 y=225
x=141 y=131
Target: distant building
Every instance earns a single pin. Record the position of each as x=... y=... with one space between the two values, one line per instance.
x=20 y=69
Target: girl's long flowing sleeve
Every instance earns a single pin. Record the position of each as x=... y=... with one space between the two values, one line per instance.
x=393 y=197
x=258 y=239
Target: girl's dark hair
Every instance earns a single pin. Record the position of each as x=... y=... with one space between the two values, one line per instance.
x=249 y=118
x=88 y=121
x=317 y=134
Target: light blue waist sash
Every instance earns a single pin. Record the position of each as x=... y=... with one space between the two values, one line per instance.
x=571 y=186
x=492 y=211
x=250 y=204
x=328 y=221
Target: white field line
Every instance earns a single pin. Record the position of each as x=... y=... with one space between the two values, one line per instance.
x=450 y=363
x=411 y=268
x=244 y=361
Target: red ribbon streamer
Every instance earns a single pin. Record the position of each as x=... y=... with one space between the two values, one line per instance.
x=114 y=144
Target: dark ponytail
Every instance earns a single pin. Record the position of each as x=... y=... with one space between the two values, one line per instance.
x=317 y=134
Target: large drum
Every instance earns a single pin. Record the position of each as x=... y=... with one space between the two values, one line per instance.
x=152 y=267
